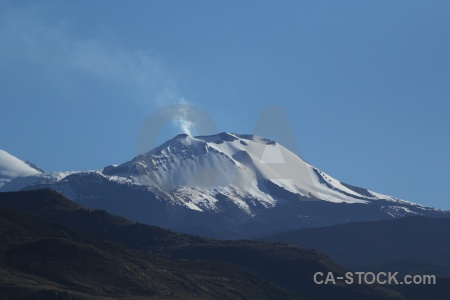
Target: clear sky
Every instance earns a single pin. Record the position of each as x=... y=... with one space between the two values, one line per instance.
x=365 y=85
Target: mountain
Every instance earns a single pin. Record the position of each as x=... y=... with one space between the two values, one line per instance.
x=409 y=245
x=11 y=167
x=54 y=207
x=45 y=260
x=40 y=247
x=224 y=186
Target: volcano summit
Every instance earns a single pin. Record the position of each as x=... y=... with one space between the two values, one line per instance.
x=226 y=186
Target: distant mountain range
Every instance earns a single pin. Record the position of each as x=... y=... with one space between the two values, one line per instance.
x=411 y=245
x=223 y=186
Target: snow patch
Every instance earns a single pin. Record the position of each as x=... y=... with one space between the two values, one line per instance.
x=11 y=167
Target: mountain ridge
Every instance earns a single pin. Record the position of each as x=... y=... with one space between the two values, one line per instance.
x=379 y=242
x=12 y=167
x=265 y=266
x=225 y=185
x=46 y=260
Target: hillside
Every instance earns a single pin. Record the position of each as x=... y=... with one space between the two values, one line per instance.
x=43 y=259
x=411 y=244
x=288 y=267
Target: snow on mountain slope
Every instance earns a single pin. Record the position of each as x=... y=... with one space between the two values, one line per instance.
x=225 y=186
x=11 y=167
x=195 y=171
x=238 y=166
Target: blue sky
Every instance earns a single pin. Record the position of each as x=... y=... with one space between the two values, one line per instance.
x=365 y=85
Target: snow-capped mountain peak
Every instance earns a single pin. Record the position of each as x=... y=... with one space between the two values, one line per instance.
x=11 y=167
x=222 y=185
x=182 y=161
x=247 y=163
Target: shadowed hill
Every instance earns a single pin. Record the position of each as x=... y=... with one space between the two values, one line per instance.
x=54 y=207
x=43 y=260
x=289 y=267
x=420 y=239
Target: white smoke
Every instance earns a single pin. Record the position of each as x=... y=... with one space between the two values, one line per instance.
x=185 y=126
x=181 y=120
